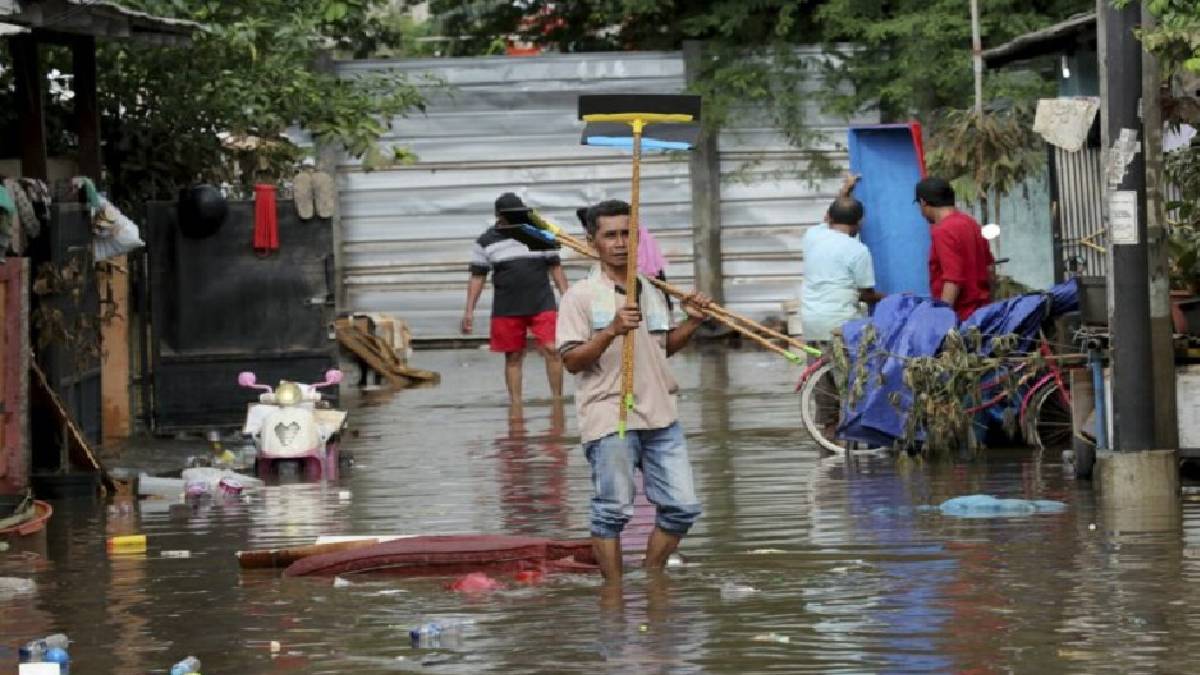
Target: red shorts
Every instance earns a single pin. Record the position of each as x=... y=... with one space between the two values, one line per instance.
x=508 y=332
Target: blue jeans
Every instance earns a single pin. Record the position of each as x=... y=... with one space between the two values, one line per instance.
x=662 y=456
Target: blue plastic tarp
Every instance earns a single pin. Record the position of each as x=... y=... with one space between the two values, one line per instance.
x=906 y=327
x=889 y=160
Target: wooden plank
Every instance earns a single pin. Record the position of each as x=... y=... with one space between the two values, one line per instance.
x=377 y=354
x=352 y=339
x=80 y=451
x=115 y=405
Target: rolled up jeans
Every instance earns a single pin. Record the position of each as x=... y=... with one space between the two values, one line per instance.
x=662 y=456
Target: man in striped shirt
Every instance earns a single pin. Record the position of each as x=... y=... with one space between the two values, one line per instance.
x=523 y=301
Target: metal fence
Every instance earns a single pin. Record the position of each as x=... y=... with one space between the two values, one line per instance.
x=497 y=124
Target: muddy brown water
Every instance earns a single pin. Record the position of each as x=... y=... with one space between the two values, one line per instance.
x=846 y=577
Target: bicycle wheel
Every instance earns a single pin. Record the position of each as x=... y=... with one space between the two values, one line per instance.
x=1048 y=419
x=820 y=408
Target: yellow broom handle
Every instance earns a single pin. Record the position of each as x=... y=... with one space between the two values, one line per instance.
x=631 y=281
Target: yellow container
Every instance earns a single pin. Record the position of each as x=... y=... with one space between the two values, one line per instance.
x=133 y=543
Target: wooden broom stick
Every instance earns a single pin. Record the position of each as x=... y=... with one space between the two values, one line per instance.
x=741 y=324
x=631 y=281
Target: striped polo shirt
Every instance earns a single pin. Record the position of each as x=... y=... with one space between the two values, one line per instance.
x=521 y=277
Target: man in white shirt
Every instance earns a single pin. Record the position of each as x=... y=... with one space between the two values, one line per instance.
x=838 y=272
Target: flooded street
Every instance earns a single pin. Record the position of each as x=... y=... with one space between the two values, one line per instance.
x=842 y=574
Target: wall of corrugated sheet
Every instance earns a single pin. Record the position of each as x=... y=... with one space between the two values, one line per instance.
x=1080 y=197
x=500 y=124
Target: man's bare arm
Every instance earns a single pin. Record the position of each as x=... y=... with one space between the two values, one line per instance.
x=694 y=305
x=950 y=292
x=582 y=356
x=474 y=290
x=560 y=278
x=869 y=295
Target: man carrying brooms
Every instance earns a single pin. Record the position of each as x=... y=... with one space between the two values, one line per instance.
x=594 y=322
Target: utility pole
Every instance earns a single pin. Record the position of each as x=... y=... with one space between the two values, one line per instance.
x=1125 y=197
x=977 y=62
x=1138 y=483
x=977 y=57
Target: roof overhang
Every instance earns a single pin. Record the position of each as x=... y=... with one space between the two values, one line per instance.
x=1059 y=38
x=97 y=18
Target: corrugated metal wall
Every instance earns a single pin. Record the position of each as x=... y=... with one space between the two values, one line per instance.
x=1080 y=197
x=500 y=124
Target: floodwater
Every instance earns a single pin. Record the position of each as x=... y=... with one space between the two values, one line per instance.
x=842 y=576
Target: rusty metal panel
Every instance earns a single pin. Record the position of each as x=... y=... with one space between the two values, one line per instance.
x=14 y=376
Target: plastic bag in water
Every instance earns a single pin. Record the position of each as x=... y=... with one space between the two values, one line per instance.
x=987 y=506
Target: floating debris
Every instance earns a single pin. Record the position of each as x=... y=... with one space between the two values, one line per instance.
x=732 y=591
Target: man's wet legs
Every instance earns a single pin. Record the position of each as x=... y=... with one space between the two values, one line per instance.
x=513 y=371
x=554 y=370
x=661 y=546
x=608 y=558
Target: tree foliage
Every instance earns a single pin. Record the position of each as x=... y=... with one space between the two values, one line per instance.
x=988 y=154
x=250 y=72
x=749 y=61
x=905 y=57
x=913 y=57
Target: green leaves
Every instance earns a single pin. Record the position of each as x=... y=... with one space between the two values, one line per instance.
x=251 y=73
x=988 y=154
x=1183 y=218
x=913 y=57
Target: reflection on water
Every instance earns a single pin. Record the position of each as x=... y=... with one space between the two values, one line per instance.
x=844 y=577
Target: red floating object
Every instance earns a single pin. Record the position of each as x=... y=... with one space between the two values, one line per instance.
x=530 y=577
x=475 y=582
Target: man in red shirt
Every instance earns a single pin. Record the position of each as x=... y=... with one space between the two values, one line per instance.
x=960 y=260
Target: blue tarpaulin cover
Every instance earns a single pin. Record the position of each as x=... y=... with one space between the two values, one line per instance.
x=907 y=326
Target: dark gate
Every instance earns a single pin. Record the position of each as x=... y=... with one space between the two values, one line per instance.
x=66 y=315
x=216 y=309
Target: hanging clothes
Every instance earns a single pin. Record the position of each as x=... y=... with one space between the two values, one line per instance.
x=266 y=222
x=39 y=195
x=31 y=226
x=8 y=216
x=17 y=242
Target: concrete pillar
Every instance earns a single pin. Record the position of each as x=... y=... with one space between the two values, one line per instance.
x=1139 y=491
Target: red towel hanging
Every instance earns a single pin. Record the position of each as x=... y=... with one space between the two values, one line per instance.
x=266 y=224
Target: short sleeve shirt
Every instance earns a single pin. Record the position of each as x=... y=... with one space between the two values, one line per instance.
x=836 y=266
x=520 y=276
x=586 y=309
x=959 y=254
